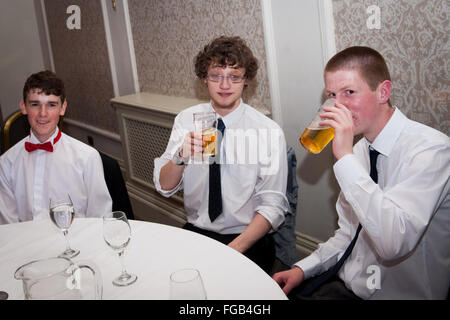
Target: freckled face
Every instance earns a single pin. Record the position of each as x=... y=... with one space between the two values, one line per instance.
x=43 y=113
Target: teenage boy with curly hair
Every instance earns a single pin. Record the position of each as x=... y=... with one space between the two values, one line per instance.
x=239 y=203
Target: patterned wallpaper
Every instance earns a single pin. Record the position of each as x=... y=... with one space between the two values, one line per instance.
x=81 y=60
x=168 y=35
x=414 y=39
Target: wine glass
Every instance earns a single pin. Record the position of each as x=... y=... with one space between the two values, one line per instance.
x=117 y=235
x=62 y=214
x=187 y=284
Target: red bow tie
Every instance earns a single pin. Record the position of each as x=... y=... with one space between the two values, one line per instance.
x=43 y=146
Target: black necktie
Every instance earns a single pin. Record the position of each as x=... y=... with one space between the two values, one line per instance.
x=215 y=187
x=373 y=154
x=316 y=282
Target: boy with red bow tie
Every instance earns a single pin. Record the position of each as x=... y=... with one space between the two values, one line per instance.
x=48 y=163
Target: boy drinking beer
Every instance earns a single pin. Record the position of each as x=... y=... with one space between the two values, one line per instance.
x=393 y=209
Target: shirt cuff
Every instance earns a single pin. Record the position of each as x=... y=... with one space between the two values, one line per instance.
x=348 y=170
x=310 y=265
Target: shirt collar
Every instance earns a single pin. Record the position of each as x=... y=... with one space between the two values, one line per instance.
x=234 y=116
x=386 y=139
x=33 y=139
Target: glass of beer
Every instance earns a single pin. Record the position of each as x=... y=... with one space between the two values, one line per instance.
x=316 y=137
x=206 y=123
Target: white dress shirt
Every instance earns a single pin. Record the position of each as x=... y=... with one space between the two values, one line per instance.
x=29 y=179
x=253 y=175
x=403 y=250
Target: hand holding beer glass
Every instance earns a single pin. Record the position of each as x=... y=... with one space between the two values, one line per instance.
x=316 y=137
x=206 y=124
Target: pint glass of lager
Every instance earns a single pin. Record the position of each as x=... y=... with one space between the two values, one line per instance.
x=205 y=122
x=316 y=137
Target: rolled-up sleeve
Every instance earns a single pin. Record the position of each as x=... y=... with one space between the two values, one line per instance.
x=175 y=142
x=273 y=206
x=159 y=163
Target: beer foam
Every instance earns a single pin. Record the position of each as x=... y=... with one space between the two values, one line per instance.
x=315 y=126
x=209 y=131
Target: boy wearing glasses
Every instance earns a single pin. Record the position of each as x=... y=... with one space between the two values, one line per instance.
x=48 y=163
x=240 y=199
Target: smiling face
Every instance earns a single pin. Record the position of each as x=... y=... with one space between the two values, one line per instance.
x=225 y=94
x=369 y=108
x=43 y=113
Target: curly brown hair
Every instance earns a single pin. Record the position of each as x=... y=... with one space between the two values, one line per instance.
x=226 y=51
x=47 y=82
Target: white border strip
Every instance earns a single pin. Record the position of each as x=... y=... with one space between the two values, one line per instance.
x=272 y=67
x=47 y=34
x=131 y=46
x=326 y=20
x=112 y=61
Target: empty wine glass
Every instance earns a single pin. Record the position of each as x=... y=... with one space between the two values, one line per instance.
x=62 y=214
x=117 y=235
x=187 y=284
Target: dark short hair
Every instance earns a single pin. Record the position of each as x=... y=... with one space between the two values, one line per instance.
x=226 y=51
x=368 y=62
x=46 y=82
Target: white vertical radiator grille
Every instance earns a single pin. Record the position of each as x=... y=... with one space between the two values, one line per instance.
x=146 y=141
x=145 y=122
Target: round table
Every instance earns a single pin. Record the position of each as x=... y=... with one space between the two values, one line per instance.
x=155 y=251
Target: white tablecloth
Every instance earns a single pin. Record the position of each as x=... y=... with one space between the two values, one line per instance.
x=155 y=251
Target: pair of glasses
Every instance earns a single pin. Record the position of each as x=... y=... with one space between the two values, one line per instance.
x=219 y=78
